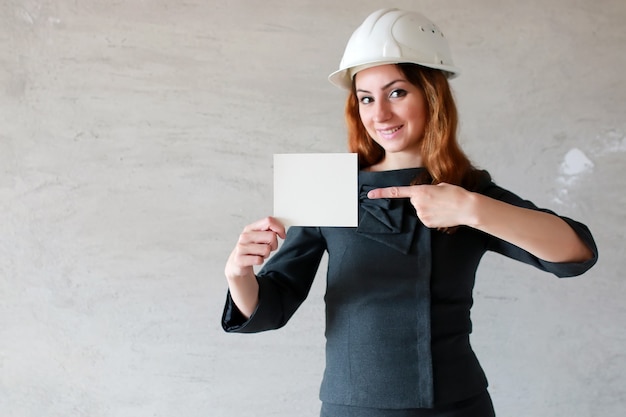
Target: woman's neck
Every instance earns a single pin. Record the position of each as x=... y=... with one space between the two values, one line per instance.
x=394 y=161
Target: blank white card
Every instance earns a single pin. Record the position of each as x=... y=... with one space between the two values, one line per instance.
x=316 y=189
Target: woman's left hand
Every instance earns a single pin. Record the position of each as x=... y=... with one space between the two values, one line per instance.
x=437 y=206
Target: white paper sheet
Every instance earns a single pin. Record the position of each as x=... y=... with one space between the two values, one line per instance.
x=316 y=189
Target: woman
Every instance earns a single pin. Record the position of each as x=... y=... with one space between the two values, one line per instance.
x=399 y=286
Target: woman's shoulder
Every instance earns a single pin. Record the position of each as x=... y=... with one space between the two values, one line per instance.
x=478 y=180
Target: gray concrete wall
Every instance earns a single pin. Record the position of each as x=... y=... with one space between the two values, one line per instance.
x=136 y=140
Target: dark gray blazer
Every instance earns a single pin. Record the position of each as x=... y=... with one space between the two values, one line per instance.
x=398 y=299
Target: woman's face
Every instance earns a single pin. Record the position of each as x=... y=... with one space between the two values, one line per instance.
x=392 y=110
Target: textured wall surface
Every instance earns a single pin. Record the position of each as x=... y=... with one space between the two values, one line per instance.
x=136 y=141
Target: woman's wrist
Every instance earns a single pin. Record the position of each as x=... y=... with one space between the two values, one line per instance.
x=472 y=209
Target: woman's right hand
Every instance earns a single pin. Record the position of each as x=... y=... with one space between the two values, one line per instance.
x=257 y=241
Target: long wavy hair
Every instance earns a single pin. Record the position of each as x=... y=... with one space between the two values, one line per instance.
x=440 y=151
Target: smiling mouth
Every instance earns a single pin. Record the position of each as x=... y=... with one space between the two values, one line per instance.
x=390 y=131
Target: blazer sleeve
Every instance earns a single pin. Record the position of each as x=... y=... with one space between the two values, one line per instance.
x=560 y=269
x=284 y=283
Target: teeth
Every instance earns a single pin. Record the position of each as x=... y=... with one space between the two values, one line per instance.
x=390 y=131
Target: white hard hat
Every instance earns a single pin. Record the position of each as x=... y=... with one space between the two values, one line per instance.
x=393 y=36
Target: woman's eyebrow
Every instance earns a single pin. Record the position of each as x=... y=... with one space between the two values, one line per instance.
x=386 y=86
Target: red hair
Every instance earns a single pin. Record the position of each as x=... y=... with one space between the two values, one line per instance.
x=441 y=154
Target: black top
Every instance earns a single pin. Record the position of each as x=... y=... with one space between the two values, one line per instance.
x=398 y=298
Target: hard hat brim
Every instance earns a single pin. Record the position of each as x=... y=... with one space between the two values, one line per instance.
x=342 y=78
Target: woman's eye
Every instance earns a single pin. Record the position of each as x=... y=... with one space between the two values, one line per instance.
x=397 y=93
x=365 y=100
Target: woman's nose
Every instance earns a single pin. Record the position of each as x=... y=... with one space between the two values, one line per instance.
x=382 y=111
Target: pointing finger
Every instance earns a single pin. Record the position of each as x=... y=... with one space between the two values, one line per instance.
x=390 y=192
